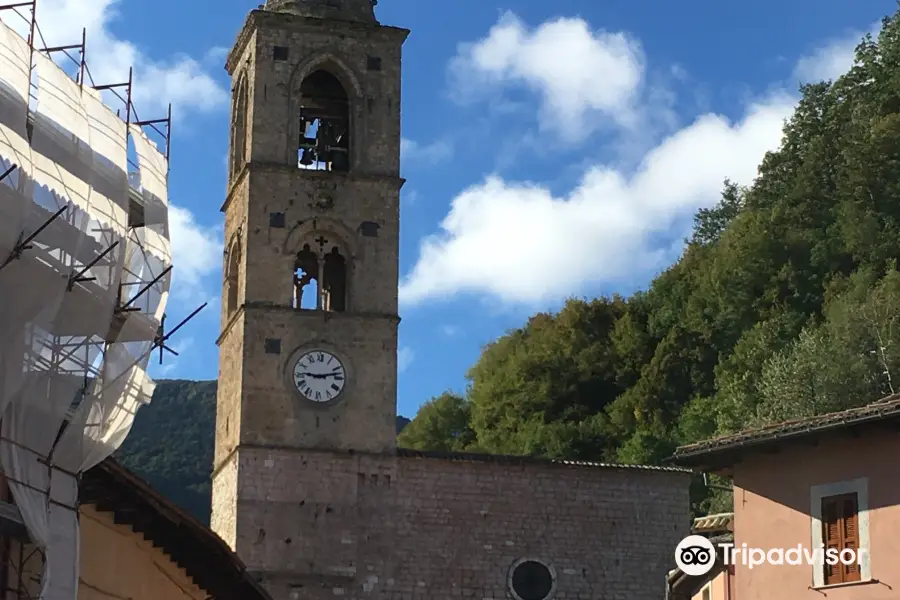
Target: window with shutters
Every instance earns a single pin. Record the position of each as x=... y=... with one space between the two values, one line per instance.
x=840 y=531
x=840 y=522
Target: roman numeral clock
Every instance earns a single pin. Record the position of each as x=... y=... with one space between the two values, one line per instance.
x=319 y=375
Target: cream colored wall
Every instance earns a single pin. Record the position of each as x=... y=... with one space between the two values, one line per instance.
x=718 y=588
x=119 y=564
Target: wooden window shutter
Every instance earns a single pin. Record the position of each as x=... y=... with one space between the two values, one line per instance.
x=840 y=531
x=850 y=533
x=831 y=537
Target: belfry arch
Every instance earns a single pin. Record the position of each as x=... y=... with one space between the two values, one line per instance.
x=320 y=273
x=325 y=94
x=232 y=273
x=325 y=132
x=239 y=115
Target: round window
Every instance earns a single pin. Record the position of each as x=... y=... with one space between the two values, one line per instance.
x=530 y=579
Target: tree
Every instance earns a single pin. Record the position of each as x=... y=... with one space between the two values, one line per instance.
x=541 y=389
x=709 y=223
x=851 y=359
x=442 y=424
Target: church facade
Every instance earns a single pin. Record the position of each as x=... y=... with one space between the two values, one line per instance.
x=309 y=487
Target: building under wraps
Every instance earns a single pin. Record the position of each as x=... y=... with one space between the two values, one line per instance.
x=84 y=276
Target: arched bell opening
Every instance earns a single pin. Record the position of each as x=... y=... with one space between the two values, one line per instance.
x=320 y=279
x=324 y=124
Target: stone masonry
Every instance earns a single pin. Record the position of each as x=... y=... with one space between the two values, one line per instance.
x=347 y=525
x=314 y=496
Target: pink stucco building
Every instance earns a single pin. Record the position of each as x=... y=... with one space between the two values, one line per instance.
x=831 y=481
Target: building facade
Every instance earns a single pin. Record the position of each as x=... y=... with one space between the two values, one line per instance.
x=134 y=544
x=309 y=487
x=825 y=482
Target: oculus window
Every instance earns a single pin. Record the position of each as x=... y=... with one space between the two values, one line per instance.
x=531 y=579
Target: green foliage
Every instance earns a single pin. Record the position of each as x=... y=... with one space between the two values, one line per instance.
x=442 y=424
x=850 y=359
x=540 y=389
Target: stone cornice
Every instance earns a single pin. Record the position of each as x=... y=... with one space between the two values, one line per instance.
x=274 y=20
x=273 y=167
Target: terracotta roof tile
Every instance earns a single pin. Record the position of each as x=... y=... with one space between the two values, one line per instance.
x=714 y=523
x=886 y=408
x=534 y=460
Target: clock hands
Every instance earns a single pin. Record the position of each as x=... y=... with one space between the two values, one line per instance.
x=318 y=375
x=313 y=375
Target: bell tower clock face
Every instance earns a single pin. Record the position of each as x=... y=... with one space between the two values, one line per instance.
x=319 y=376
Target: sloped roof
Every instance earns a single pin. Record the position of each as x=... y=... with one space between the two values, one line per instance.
x=714 y=523
x=723 y=450
x=529 y=460
x=204 y=556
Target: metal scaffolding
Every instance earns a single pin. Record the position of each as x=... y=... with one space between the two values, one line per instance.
x=85 y=269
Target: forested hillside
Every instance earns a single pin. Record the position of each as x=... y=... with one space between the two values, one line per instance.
x=785 y=303
x=171 y=444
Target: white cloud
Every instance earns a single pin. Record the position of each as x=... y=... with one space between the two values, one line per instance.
x=517 y=242
x=216 y=54
x=196 y=253
x=579 y=73
x=520 y=243
x=831 y=60
x=431 y=153
x=450 y=330
x=405 y=356
x=409 y=198
x=178 y=79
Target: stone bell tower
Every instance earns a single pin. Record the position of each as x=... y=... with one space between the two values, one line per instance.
x=308 y=344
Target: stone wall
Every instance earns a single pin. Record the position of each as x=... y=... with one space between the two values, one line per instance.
x=344 y=525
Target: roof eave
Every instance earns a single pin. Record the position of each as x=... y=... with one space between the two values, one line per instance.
x=212 y=565
x=706 y=455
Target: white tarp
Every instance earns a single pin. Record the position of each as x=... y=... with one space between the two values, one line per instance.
x=60 y=142
x=28 y=429
x=15 y=65
x=153 y=169
x=99 y=426
x=107 y=136
x=147 y=256
x=109 y=182
x=14 y=147
x=107 y=132
x=57 y=344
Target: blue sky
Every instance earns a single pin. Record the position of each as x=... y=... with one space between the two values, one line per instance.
x=552 y=149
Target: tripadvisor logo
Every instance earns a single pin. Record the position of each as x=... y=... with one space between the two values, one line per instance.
x=695 y=555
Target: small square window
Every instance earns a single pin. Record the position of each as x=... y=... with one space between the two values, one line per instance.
x=273 y=346
x=280 y=53
x=276 y=220
x=368 y=229
x=374 y=63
